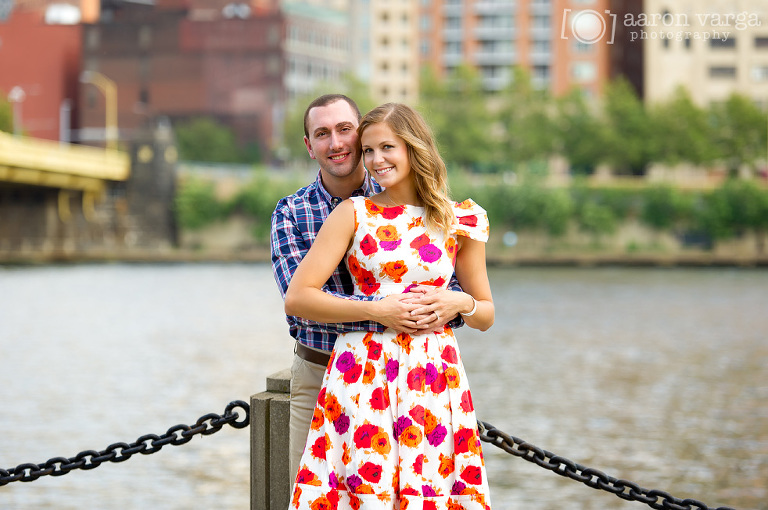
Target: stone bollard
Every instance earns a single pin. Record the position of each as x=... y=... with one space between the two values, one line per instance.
x=270 y=412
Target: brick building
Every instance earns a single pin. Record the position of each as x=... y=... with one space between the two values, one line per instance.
x=177 y=61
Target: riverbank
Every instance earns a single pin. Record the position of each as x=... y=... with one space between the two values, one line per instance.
x=498 y=258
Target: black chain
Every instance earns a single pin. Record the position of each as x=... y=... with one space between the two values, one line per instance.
x=591 y=477
x=120 y=452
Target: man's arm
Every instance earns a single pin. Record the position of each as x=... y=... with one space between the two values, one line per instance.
x=289 y=247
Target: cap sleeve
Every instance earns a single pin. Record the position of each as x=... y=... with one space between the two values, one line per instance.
x=472 y=220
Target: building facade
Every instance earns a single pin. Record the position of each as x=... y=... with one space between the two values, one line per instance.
x=711 y=48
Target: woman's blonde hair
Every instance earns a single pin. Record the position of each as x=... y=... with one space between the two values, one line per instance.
x=428 y=169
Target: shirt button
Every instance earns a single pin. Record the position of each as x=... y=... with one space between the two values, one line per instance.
x=335 y=201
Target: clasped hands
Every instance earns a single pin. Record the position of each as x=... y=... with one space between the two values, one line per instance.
x=422 y=310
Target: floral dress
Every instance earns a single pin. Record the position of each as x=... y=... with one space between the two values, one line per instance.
x=394 y=426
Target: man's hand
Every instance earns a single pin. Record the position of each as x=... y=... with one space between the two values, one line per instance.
x=396 y=312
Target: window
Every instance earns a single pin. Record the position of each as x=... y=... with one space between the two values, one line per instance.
x=761 y=43
x=583 y=71
x=760 y=73
x=722 y=72
x=729 y=43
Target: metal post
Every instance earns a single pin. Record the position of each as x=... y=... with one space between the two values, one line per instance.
x=270 y=471
x=109 y=89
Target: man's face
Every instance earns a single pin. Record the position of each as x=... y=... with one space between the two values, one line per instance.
x=332 y=138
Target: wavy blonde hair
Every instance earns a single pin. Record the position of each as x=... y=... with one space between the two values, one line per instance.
x=427 y=167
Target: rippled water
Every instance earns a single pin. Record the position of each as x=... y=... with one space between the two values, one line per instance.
x=657 y=376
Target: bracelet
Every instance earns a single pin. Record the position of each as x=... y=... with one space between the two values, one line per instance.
x=474 y=309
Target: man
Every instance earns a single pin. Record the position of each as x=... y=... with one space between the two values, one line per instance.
x=330 y=135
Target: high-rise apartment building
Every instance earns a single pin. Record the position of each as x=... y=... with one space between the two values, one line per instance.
x=562 y=43
x=711 y=48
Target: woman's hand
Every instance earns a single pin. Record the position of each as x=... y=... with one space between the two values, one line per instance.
x=435 y=306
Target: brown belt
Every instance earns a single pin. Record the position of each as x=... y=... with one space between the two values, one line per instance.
x=311 y=355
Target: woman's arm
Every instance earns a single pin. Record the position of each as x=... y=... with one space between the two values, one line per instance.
x=305 y=297
x=472 y=274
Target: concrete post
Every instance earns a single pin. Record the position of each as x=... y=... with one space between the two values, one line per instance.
x=270 y=412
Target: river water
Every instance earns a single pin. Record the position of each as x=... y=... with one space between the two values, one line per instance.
x=657 y=376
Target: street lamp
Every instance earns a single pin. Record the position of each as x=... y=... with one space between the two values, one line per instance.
x=16 y=96
x=109 y=89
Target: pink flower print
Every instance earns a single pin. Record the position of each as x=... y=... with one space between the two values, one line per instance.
x=439 y=384
x=393 y=367
x=437 y=436
x=390 y=245
x=458 y=488
x=346 y=362
x=341 y=424
x=333 y=480
x=363 y=435
x=400 y=425
x=428 y=491
x=431 y=373
x=429 y=253
x=415 y=378
x=449 y=354
x=354 y=481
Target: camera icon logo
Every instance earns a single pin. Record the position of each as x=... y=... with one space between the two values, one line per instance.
x=588 y=26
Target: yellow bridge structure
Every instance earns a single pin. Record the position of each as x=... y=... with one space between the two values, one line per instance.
x=67 y=167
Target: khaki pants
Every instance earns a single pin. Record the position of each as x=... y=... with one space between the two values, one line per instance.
x=306 y=380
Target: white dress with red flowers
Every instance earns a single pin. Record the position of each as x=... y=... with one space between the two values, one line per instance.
x=394 y=426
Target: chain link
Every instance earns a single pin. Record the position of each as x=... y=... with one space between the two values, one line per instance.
x=120 y=452
x=591 y=477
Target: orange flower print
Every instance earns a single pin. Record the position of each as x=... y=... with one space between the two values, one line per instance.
x=389 y=238
x=450 y=248
x=452 y=505
x=466 y=204
x=452 y=377
x=446 y=466
x=418 y=221
x=372 y=208
x=354 y=502
x=430 y=422
x=369 y=373
x=411 y=436
x=320 y=503
x=380 y=443
x=394 y=270
x=404 y=341
x=345 y=456
x=364 y=489
x=317 y=419
x=353 y=265
x=366 y=280
x=296 y=497
x=332 y=408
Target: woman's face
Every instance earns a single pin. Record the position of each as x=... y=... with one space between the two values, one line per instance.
x=385 y=155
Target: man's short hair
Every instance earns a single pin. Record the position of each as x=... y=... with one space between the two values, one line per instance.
x=325 y=100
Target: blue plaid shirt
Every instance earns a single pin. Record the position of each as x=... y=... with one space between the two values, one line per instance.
x=296 y=221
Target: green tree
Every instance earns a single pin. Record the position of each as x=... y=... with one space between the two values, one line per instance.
x=663 y=207
x=739 y=131
x=682 y=131
x=196 y=204
x=629 y=141
x=6 y=114
x=527 y=120
x=204 y=139
x=580 y=136
x=457 y=111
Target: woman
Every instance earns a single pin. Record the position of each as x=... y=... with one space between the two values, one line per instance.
x=394 y=424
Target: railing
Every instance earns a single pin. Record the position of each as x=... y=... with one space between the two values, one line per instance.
x=268 y=415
